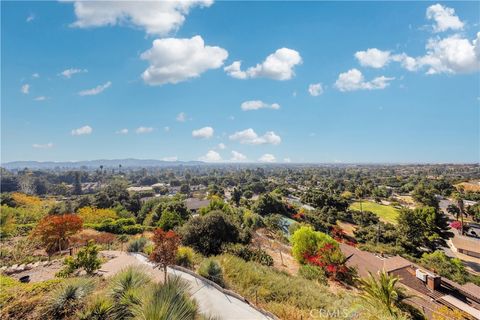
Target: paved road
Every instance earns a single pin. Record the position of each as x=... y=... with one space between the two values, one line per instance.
x=210 y=300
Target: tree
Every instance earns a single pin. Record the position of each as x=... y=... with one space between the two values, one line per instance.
x=165 y=251
x=306 y=242
x=268 y=204
x=55 y=231
x=425 y=196
x=383 y=292
x=422 y=228
x=451 y=268
x=94 y=215
x=206 y=234
x=169 y=220
x=453 y=210
x=236 y=196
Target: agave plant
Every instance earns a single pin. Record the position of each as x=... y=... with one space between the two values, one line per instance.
x=100 y=309
x=383 y=292
x=68 y=298
x=168 y=300
x=125 y=291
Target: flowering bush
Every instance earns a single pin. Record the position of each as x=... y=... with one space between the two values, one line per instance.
x=456 y=225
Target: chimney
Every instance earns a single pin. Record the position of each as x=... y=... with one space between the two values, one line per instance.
x=434 y=282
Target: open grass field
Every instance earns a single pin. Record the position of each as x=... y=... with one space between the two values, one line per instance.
x=385 y=213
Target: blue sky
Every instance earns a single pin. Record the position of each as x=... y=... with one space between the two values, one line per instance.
x=75 y=76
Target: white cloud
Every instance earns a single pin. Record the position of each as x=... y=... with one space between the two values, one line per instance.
x=82 y=131
x=211 y=156
x=257 y=104
x=453 y=54
x=353 y=80
x=182 y=117
x=287 y=160
x=172 y=158
x=249 y=136
x=222 y=146
x=203 y=133
x=175 y=60
x=444 y=18
x=373 y=57
x=43 y=146
x=25 y=88
x=30 y=17
x=267 y=157
x=234 y=70
x=40 y=98
x=141 y=130
x=315 y=89
x=156 y=17
x=68 y=73
x=94 y=91
x=35 y=75
x=237 y=156
x=122 y=131
x=277 y=66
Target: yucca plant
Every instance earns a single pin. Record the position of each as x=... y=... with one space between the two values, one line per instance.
x=68 y=298
x=125 y=291
x=169 y=300
x=211 y=270
x=99 y=309
x=383 y=291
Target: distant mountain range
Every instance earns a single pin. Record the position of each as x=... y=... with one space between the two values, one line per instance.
x=114 y=163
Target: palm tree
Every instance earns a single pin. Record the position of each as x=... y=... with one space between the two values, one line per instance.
x=383 y=291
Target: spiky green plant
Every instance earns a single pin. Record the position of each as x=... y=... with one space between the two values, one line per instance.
x=383 y=291
x=168 y=300
x=99 y=309
x=68 y=298
x=211 y=270
x=125 y=291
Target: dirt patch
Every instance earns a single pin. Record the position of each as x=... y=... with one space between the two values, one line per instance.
x=281 y=253
x=41 y=273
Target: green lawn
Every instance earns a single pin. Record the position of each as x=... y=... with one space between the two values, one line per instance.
x=385 y=213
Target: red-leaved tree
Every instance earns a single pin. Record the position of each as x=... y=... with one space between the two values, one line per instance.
x=54 y=231
x=331 y=259
x=165 y=250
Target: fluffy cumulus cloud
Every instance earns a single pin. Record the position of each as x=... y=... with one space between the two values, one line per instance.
x=267 y=157
x=211 y=156
x=68 y=73
x=175 y=60
x=444 y=18
x=373 y=57
x=315 y=89
x=354 y=80
x=43 y=146
x=25 y=89
x=82 y=131
x=249 y=136
x=257 y=104
x=222 y=146
x=155 y=17
x=238 y=157
x=279 y=65
x=203 y=133
x=141 y=130
x=122 y=131
x=97 y=90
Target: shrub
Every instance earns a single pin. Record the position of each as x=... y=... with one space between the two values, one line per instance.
x=68 y=298
x=119 y=226
x=87 y=259
x=185 y=256
x=137 y=245
x=206 y=234
x=315 y=273
x=96 y=215
x=169 y=220
x=211 y=270
x=98 y=309
x=306 y=242
x=248 y=254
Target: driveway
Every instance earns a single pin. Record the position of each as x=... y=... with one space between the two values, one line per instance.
x=211 y=301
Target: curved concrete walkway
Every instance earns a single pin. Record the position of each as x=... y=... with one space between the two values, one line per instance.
x=211 y=301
